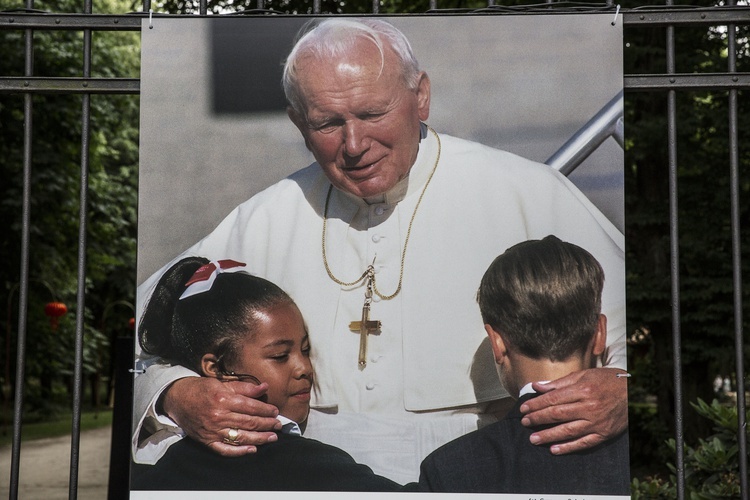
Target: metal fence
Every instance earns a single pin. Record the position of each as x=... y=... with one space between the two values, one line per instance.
x=669 y=81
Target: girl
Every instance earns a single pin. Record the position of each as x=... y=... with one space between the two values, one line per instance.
x=220 y=321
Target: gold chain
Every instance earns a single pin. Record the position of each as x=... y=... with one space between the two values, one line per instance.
x=370 y=271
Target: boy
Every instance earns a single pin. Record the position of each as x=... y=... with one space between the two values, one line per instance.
x=541 y=305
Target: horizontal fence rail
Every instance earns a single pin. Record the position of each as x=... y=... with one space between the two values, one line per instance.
x=670 y=82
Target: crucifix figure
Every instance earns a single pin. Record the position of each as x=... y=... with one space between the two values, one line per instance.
x=365 y=326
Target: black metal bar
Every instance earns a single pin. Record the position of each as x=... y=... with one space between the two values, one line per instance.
x=38 y=85
x=737 y=263
x=708 y=81
x=75 y=438
x=23 y=293
x=123 y=350
x=713 y=16
x=687 y=16
x=18 y=20
x=674 y=237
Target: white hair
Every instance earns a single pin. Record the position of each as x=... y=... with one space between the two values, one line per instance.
x=335 y=37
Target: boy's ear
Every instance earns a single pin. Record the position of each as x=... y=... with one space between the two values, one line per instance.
x=209 y=365
x=496 y=341
x=599 y=343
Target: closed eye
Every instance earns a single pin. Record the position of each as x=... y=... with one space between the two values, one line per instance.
x=371 y=116
x=328 y=126
x=280 y=357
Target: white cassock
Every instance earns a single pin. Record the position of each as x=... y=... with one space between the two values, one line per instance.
x=430 y=369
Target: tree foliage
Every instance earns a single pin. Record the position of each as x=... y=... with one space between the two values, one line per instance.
x=703 y=221
x=711 y=466
x=55 y=194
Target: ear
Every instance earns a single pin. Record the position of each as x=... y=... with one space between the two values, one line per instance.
x=599 y=343
x=209 y=365
x=498 y=346
x=423 y=97
x=299 y=122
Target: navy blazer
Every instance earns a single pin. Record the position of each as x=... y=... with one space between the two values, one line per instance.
x=500 y=459
x=291 y=463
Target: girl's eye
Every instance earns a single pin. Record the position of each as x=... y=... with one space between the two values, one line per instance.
x=280 y=357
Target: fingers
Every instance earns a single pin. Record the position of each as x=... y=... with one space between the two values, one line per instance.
x=568 y=380
x=241 y=438
x=244 y=400
x=229 y=450
x=553 y=400
x=585 y=408
x=580 y=412
x=584 y=443
x=563 y=433
x=206 y=409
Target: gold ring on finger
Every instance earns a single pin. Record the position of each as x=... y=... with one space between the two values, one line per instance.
x=233 y=437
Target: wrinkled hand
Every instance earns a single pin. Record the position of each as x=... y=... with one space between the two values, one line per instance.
x=206 y=409
x=589 y=407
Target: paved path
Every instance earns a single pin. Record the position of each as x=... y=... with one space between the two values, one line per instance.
x=45 y=467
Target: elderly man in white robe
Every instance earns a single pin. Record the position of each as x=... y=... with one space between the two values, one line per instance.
x=382 y=243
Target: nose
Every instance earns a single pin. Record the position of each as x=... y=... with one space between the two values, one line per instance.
x=355 y=138
x=303 y=367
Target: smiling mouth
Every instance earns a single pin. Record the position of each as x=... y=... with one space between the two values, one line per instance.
x=302 y=395
x=359 y=168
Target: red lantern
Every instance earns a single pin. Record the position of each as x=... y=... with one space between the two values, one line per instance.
x=54 y=310
x=131 y=323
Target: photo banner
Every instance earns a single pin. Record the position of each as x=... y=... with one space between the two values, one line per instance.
x=215 y=132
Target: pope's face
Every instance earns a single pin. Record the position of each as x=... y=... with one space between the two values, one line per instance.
x=362 y=123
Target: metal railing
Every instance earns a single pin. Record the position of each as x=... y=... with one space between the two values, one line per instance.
x=668 y=81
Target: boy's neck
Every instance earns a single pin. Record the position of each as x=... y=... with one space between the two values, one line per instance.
x=528 y=370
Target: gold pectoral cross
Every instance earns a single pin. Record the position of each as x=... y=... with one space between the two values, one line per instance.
x=365 y=326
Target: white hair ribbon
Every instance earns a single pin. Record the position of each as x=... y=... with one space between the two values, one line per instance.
x=203 y=279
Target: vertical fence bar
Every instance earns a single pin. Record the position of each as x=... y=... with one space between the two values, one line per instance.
x=674 y=238
x=23 y=292
x=81 y=293
x=737 y=261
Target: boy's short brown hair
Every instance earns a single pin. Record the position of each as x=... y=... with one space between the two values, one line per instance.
x=544 y=297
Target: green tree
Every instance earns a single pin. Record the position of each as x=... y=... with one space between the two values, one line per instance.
x=706 y=286
x=55 y=185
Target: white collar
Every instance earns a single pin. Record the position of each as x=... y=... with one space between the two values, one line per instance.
x=528 y=390
x=289 y=426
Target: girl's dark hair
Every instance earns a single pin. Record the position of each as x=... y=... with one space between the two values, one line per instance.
x=215 y=321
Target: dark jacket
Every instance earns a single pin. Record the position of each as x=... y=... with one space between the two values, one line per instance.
x=500 y=459
x=291 y=463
